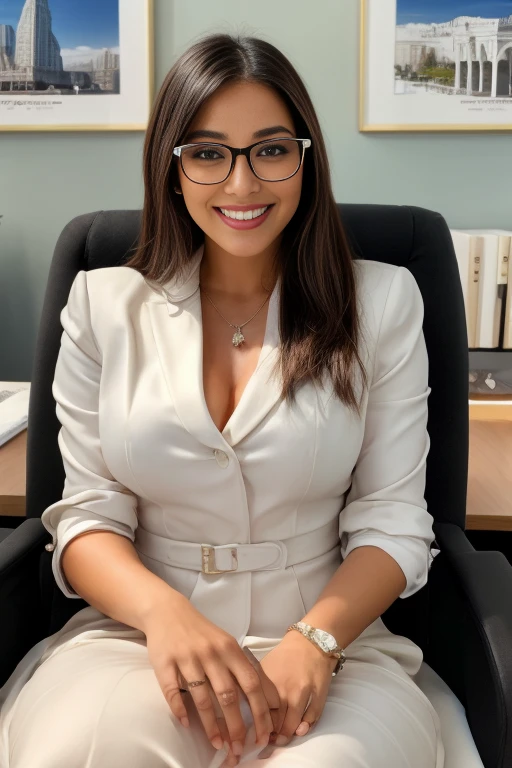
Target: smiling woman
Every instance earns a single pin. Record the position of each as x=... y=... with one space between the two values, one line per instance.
x=238 y=132
x=268 y=494
x=262 y=176
x=241 y=195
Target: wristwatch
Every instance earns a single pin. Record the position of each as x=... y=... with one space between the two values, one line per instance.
x=323 y=640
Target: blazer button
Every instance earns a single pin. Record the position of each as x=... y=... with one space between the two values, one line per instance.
x=49 y=547
x=221 y=458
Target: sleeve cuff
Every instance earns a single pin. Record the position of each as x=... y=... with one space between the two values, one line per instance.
x=68 y=530
x=412 y=555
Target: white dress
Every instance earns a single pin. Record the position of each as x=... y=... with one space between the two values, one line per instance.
x=295 y=489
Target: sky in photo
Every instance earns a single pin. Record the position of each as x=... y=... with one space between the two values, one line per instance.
x=437 y=11
x=94 y=23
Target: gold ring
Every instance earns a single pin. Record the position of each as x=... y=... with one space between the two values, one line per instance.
x=196 y=682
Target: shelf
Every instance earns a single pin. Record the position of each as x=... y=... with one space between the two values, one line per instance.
x=490 y=410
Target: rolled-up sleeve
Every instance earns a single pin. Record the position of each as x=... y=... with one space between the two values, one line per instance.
x=91 y=499
x=385 y=506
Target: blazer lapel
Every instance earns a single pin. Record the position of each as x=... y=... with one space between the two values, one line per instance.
x=176 y=322
x=263 y=390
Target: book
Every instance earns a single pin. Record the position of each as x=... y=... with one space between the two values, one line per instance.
x=495 y=250
x=507 y=320
x=468 y=251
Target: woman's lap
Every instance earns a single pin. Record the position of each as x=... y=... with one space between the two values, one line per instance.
x=99 y=704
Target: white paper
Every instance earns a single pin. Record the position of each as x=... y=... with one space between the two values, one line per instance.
x=14 y=399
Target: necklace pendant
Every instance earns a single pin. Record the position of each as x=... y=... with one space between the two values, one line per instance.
x=238 y=338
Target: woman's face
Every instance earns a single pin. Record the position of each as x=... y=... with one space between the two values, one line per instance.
x=237 y=112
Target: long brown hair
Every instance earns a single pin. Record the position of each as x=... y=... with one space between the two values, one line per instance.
x=319 y=323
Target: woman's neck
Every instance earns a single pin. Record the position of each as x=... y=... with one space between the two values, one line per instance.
x=237 y=277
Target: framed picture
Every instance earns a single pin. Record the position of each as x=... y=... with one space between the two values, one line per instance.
x=436 y=65
x=76 y=65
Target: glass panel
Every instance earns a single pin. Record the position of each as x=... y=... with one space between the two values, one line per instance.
x=276 y=159
x=206 y=163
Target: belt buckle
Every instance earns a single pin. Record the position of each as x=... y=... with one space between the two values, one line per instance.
x=208 y=564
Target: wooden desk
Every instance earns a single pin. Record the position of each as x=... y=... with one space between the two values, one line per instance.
x=13 y=480
x=489 y=506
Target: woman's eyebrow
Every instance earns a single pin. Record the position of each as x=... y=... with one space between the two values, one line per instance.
x=203 y=133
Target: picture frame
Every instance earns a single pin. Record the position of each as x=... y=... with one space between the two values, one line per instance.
x=100 y=79
x=421 y=70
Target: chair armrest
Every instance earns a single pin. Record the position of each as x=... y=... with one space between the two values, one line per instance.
x=470 y=637
x=20 y=598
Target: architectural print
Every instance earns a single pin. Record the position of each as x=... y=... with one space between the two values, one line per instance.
x=76 y=64
x=466 y=55
x=436 y=65
x=31 y=60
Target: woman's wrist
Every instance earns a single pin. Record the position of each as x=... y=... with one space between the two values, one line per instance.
x=299 y=643
x=164 y=601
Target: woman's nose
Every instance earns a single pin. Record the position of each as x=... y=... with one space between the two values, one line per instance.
x=242 y=180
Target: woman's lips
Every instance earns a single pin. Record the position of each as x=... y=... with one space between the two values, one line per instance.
x=242 y=223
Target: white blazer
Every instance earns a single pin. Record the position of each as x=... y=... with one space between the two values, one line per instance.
x=282 y=495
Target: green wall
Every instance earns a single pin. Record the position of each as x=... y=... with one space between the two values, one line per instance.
x=48 y=178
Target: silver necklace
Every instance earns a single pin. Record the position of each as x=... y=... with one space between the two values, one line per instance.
x=238 y=337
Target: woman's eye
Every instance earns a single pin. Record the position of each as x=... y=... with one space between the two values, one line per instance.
x=207 y=154
x=273 y=151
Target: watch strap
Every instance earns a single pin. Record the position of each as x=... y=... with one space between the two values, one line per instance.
x=323 y=640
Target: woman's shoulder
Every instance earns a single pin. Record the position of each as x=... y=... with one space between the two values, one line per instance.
x=108 y=277
x=372 y=275
x=109 y=296
x=386 y=290
x=119 y=287
x=373 y=281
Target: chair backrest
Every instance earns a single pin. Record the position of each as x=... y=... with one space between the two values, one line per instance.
x=408 y=236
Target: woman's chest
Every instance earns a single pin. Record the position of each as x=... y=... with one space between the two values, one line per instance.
x=159 y=438
x=295 y=454
x=227 y=368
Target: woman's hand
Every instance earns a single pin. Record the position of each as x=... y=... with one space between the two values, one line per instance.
x=302 y=674
x=184 y=646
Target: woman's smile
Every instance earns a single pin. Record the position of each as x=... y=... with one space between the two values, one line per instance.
x=244 y=216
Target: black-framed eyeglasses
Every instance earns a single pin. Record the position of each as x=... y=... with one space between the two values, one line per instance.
x=269 y=160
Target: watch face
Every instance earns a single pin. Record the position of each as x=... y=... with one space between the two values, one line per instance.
x=326 y=641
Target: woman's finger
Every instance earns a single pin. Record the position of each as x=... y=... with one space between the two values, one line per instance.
x=296 y=707
x=203 y=700
x=251 y=681
x=226 y=691
x=231 y=759
x=172 y=688
x=310 y=717
x=270 y=691
x=251 y=657
x=278 y=717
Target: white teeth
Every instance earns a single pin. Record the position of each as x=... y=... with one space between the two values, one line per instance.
x=244 y=215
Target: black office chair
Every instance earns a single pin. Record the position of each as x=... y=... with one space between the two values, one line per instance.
x=462 y=618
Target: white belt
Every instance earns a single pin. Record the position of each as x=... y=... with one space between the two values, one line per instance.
x=226 y=558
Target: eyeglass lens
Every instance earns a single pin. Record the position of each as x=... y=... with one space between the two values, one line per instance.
x=209 y=164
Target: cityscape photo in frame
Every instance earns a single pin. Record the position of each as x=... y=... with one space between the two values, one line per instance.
x=436 y=65
x=79 y=65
